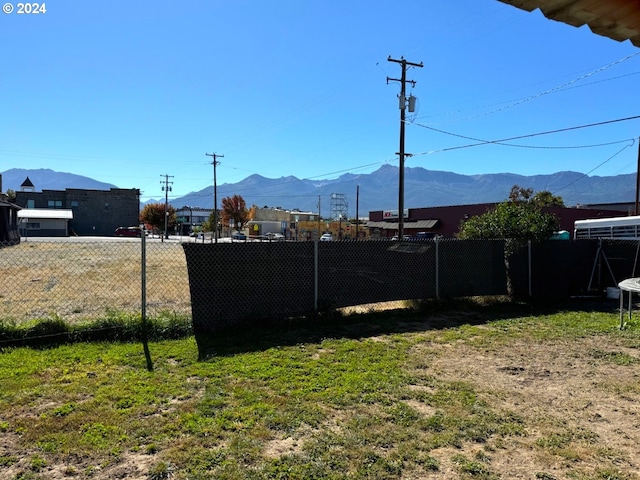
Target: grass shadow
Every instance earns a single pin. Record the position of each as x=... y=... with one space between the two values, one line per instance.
x=424 y=316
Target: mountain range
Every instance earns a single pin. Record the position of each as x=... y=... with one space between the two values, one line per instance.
x=374 y=191
x=47 y=179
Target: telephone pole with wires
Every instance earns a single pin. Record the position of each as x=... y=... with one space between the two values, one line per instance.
x=166 y=187
x=404 y=102
x=215 y=163
x=637 y=212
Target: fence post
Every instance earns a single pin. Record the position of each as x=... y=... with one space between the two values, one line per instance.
x=530 y=254
x=315 y=274
x=143 y=298
x=437 y=250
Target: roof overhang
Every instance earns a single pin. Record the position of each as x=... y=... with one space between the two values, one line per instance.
x=46 y=213
x=616 y=19
x=6 y=203
x=394 y=225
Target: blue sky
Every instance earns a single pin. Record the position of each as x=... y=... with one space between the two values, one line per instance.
x=125 y=92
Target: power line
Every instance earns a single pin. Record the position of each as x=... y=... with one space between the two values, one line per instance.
x=599 y=165
x=562 y=87
x=514 y=102
x=530 y=135
x=528 y=146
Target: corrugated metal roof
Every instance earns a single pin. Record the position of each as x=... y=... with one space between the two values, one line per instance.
x=46 y=213
x=616 y=19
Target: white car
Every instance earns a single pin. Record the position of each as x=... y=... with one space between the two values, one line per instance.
x=326 y=237
x=278 y=237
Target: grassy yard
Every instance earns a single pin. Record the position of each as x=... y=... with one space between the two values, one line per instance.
x=462 y=390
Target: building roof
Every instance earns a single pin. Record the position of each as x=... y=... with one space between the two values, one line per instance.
x=46 y=213
x=4 y=202
x=27 y=183
x=616 y=19
x=394 y=225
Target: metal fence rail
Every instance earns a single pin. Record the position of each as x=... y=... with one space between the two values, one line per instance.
x=226 y=284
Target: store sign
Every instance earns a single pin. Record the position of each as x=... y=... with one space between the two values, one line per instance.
x=388 y=214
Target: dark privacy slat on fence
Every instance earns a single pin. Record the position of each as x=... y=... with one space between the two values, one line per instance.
x=238 y=283
x=230 y=282
x=471 y=268
x=356 y=273
x=560 y=269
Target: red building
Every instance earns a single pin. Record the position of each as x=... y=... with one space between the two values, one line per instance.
x=446 y=221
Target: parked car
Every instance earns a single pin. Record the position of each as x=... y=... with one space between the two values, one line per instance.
x=128 y=232
x=274 y=236
x=326 y=237
x=238 y=236
x=404 y=237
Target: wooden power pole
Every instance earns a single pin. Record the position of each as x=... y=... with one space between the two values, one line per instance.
x=403 y=104
x=166 y=188
x=215 y=163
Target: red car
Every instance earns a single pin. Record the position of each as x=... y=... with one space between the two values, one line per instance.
x=128 y=232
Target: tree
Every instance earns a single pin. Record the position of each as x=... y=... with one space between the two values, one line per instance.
x=235 y=208
x=153 y=214
x=516 y=220
x=252 y=211
x=519 y=194
x=547 y=199
x=207 y=225
x=544 y=198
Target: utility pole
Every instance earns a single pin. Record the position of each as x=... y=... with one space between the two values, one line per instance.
x=166 y=187
x=403 y=104
x=215 y=163
x=319 y=220
x=357 y=209
x=637 y=212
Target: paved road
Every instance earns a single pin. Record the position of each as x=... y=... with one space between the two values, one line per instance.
x=154 y=239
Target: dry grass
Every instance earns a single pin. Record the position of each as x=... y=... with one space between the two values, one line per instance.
x=79 y=281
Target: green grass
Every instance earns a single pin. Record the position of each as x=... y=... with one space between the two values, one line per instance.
x=112 y=326
x=313 y=402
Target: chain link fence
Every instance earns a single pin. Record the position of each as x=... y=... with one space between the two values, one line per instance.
x=255 y=282
x=557 y=268
x=82 y=280
x=226 y=284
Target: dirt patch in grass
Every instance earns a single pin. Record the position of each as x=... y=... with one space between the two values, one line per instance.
x=578 y=399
